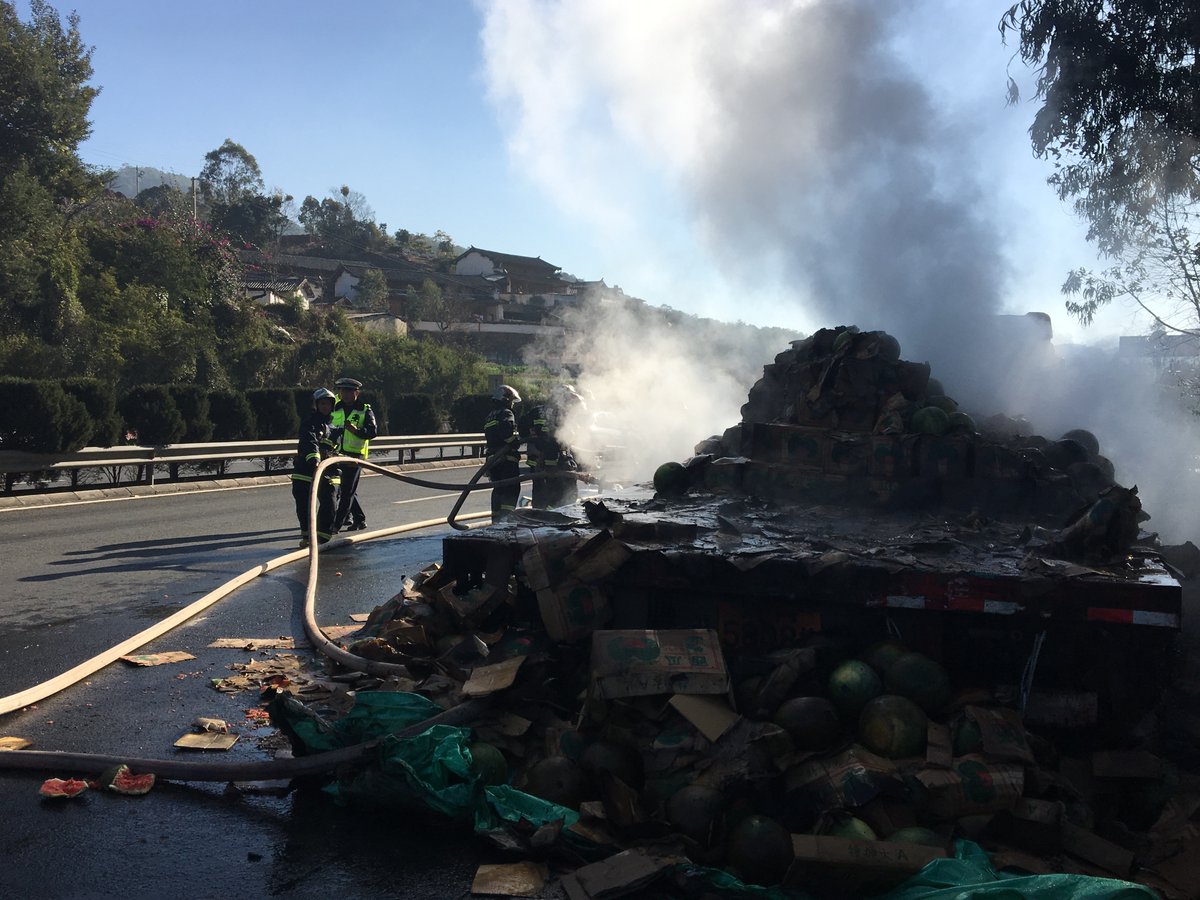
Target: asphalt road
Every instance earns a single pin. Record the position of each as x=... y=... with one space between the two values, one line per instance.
x=77 y=579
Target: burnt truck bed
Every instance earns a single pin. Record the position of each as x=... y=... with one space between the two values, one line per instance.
x=965 y=590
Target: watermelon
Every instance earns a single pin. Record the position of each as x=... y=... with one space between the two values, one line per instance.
x=1061 y=454
x=961 y=423
x=694 y=810
x=915 y=834
x=889 y=347
x=967 y=737
x=1086 y=439
x=920 y=679
x=942 y=402
x=847 y=826
x=811 y=721
x=930 y=420
x=62 y=788
x=125 y=782
x=489 y=762
x=621 y=760
x=880 y=656
x=851 y=685
x=893 y=727
x=671 y=478
x=844 y=338
x=933 y=388
x=760 y=850
x=558 y=780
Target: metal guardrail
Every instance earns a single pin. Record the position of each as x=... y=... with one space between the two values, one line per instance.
x=15 y=461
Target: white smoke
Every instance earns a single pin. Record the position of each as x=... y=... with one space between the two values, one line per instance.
x=813 y=163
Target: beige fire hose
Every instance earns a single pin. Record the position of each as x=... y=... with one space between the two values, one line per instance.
x=283 y=768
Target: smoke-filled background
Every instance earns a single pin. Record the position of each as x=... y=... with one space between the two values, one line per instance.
x=821 y=171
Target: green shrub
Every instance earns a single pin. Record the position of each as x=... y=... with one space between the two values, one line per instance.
x=415 y=414
x=192 y=402
x=40 y=417
x=232 y=416
x=100 y=398
x=274 y=413
x=150 y=411
x=467 y=414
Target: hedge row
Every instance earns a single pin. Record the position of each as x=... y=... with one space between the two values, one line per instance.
x=45 y=416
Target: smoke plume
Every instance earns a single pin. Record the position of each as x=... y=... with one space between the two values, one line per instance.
x=812 y=162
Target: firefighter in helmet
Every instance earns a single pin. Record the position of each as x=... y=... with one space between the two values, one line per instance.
x=315 y=443
x=549 y=454
x=503 y=450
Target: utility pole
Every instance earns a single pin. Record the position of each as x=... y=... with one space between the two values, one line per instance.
x=137 y=181
x=195 y=212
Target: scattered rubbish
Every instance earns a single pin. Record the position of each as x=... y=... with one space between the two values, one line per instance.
x=276 y=643
x=14 y=743
x=212 y=726
x=523 y=879
x=157 y=659
x=206 y=741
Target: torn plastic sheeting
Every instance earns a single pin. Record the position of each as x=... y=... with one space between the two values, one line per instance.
x=374 y=714
x=506 y=806
x=432 y=769
x=969 y=873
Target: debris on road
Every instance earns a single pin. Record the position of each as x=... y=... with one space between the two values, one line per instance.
x=157 y=659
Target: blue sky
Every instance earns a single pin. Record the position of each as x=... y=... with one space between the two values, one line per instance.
x=782 y=163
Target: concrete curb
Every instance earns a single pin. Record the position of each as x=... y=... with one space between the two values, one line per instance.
x=35 y=500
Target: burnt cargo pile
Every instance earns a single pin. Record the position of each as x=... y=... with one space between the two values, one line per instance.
x=841 y=418
x=846 y=641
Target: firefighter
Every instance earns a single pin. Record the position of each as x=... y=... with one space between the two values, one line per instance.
x=503 y=450
x=549 y=454
x=315 y=443
x=354 y=424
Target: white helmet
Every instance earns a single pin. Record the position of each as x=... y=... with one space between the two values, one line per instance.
x=323 y=394
x=506 y=392
x=565 y=397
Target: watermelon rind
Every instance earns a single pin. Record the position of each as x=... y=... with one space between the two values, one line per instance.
x=62 y=788
x=131 y=785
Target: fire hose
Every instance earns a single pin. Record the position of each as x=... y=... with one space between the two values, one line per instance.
x=269 y=769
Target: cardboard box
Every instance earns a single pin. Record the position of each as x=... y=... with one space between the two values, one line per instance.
x=887 y=460
x=847 y=454
x=545 y=562
x=855 y=868
x=725 y=474
x=636 y=663
x=793 y=445
x=597 y=558
x=572 y=609
x=974 y=785
x=945 y=457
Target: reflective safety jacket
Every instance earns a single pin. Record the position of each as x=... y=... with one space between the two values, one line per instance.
x=362 y=417
x=500 y=433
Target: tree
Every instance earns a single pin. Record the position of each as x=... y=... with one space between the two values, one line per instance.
x=230 y=174
x=44 y=104
x=44 y=98
x=1120 y=118
x=347 y=224
x=371 y=292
